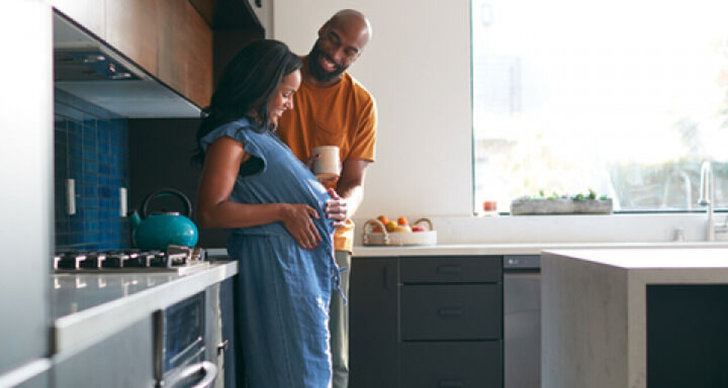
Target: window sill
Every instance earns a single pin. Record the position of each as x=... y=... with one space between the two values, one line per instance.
x=613 y=228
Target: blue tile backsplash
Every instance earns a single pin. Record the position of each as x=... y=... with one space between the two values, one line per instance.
x=91 y=147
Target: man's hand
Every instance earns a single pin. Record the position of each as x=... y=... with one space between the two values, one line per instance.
x=336 y=209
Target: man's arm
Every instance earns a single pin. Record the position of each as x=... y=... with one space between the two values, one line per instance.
x=351 y=183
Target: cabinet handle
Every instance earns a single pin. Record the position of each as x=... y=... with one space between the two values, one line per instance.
x=222 y=347
x=449 y=269
x=450 y=383
x=450 y=312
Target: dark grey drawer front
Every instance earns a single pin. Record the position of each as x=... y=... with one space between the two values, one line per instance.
x=452 y=364
x=451 y=312
x=451 y=269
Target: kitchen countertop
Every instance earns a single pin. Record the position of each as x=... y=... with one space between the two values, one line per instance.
x=594 y=309
x=89 y=307
x=519 y=248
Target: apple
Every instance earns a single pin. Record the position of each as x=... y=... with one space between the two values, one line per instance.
x=418 y=228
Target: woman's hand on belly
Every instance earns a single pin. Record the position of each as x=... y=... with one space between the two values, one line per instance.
x=297 y=220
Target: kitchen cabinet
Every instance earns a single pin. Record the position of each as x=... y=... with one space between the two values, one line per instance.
x=131 y=27
x=373 y=340
x=437 y=320
x=168 y=39
x=184 y=44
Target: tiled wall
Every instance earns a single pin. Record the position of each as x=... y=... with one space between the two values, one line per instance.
x=91 y=148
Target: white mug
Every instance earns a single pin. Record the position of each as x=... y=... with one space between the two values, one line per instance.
x=326 y=162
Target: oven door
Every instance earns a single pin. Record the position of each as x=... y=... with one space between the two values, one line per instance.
x=179 y=355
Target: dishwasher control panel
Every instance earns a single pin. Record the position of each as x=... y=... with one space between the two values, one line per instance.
x=521 y=262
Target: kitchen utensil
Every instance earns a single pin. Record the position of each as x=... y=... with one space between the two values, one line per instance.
x=160 y=229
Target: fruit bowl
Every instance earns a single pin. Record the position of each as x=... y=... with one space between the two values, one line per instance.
x=427 y=237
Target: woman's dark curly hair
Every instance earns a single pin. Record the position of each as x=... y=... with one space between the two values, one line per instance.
x=249 y=81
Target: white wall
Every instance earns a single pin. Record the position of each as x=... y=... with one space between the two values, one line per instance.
x=417 y=65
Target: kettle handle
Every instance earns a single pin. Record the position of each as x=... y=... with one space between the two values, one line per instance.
x=174 y=192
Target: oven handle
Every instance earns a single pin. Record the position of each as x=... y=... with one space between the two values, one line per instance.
x=206 y=369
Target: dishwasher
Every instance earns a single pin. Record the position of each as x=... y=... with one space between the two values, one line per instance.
x=522 y=321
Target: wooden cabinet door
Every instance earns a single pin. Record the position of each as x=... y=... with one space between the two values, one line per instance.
x=131 y=28
x=374 y=353
x=184 y=50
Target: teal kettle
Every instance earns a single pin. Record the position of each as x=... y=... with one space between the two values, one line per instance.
x=160 y=229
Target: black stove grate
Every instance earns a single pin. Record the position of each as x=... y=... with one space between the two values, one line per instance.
x=88 y=261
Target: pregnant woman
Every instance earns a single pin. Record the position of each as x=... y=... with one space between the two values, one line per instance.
x=281 y=237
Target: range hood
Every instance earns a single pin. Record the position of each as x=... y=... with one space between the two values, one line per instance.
x=92 y=71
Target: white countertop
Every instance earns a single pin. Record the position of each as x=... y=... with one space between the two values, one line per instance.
x=657 y=258
x=89 y=307
x=520 y=248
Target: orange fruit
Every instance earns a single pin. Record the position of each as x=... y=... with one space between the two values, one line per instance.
x=402 y=221
x=383 y=219
x=391 y=225
x=377 y=229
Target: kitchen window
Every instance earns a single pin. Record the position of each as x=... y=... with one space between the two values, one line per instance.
x=626 y=98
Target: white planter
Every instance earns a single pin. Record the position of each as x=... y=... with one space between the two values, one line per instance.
x=561 y=206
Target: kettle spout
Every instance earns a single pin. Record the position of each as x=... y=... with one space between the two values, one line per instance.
x=134 y=219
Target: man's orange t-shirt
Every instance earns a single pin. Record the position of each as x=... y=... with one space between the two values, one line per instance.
x=343 y=115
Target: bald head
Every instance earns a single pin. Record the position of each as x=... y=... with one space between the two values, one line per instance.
x=340 y=42
x=354 y=21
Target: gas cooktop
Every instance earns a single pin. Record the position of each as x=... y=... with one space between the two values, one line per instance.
x=175 y=259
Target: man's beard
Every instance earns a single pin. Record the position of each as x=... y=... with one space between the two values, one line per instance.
x=318 y=72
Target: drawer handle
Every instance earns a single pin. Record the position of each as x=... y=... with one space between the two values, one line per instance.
x=450 y=312
x=450 y=383
x=449 y=269
x=222 y=347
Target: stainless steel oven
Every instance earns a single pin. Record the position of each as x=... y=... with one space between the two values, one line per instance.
x=522 y=321
x=180 y=350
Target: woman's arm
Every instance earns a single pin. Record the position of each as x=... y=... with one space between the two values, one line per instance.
x=214 y=210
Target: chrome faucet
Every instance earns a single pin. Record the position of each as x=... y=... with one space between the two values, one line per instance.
x=707 y=194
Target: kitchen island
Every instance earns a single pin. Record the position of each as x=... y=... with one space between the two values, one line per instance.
x=633 y=317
